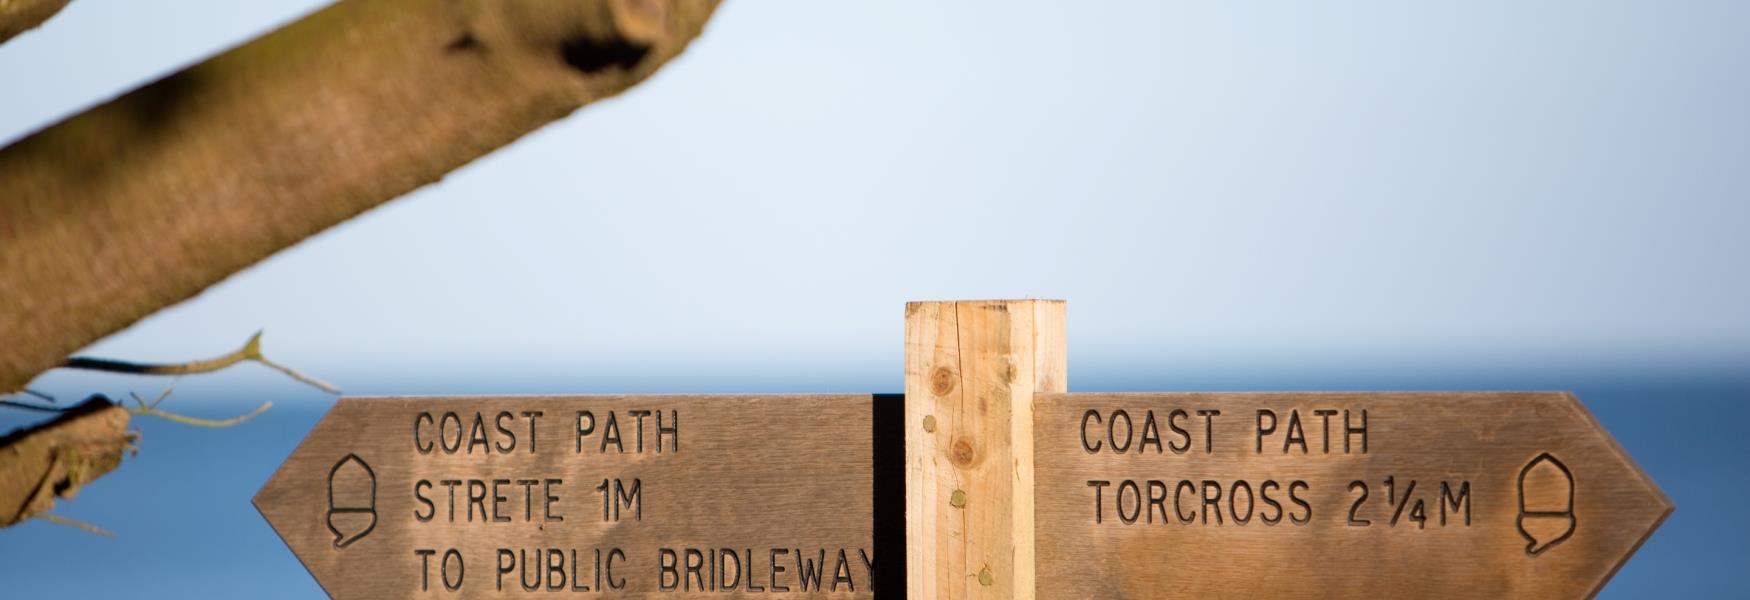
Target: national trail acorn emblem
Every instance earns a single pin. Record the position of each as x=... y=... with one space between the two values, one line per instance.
x=1546 y=503
x=352 y=500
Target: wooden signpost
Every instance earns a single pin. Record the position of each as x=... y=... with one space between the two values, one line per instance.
x=1327 y=495
x=617 y=496
x=986 y=481
x=971 y=369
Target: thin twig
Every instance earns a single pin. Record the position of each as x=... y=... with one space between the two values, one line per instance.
x=150 y=409
x=70 y=522
x=198 y=366
x=29 y=406
x=251 y=351
x=294 y=374
x=199 y=422
x=144 y=405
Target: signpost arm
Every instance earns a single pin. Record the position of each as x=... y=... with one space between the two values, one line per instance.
x=971 y=369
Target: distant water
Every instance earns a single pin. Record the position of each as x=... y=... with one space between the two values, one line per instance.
x=186 y=529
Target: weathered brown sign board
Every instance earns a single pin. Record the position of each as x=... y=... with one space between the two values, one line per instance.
x=1332 y=495
x=622 y=496
x=1000 y=485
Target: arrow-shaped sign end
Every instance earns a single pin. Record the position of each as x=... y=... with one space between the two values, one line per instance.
x=1643 y=504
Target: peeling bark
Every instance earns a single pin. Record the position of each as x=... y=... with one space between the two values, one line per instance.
x=50 y=461
x=144 y=201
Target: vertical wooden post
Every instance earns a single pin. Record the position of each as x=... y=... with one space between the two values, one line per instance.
x=971 y=369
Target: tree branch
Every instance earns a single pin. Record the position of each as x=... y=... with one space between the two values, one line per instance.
x=144 y=201
x=71 y=522
x=30 y=406
x=53 y=460
x=251 y=351
x=19 y=16
x=150 y=409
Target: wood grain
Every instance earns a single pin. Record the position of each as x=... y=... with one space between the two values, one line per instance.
x=971 y=369
x=1488 y=441
x=795 y=475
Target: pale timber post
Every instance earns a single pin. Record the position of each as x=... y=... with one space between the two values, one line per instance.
x=971 y=369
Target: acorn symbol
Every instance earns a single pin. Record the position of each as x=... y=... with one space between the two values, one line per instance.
x=1546 y=503
x=352 y=500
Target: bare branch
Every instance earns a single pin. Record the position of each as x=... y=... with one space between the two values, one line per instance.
x=29 y=406
x=19 y=16
x=71 y=522
x=152 y=411
x=53 y=460
x=195 y=366
x=144 y=201
x=251 y=351
x=294 y=374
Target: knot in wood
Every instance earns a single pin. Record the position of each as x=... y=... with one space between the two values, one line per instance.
x=942 y=381
x=962 y=452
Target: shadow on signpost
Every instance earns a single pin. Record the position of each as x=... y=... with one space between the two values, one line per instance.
x=888 y=534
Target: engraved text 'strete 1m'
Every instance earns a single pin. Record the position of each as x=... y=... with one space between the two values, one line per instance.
x=591 y=496
x=986 y=480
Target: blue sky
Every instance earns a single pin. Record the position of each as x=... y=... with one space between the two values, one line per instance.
x=1210 y=185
